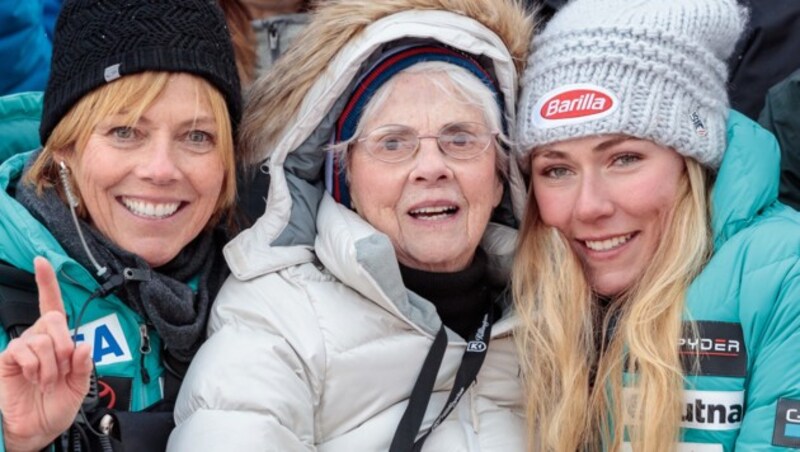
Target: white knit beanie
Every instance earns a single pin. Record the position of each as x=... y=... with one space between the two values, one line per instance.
x=652 y=69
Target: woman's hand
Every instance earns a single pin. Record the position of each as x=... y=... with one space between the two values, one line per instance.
x=43 y=376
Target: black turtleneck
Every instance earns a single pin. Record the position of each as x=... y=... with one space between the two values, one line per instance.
x=460 y=297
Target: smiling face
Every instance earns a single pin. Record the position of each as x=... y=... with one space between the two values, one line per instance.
x=612 y=197
x=152 y=187
x=434 y=208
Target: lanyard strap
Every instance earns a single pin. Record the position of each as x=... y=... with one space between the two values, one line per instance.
x=408 y=428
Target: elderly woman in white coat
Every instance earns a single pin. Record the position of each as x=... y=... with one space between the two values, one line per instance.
x=367 y=308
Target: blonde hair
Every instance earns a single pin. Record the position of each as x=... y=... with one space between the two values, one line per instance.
x=133 y=95
x=574 y=387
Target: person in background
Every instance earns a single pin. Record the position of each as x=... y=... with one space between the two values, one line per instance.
x=364 y=316
x=261 y=9
x=121 y=215
x=765 y=53
x=546 y=8
x=657 y=274
x=244 y=39
x=779 y=116
x=764 y=82
x=276 y=24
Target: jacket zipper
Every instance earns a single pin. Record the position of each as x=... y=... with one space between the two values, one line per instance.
x=144 y=350
x=273 y=37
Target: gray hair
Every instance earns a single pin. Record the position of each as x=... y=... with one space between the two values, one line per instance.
x=464 y=87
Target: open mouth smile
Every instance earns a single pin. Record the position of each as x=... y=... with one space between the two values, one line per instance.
x=149 y=209
x=433 y=213
x=608 y=244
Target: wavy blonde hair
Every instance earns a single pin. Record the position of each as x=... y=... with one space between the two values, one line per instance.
x=563 y=323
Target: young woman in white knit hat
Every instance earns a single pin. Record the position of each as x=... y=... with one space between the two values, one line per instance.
x=657 y=276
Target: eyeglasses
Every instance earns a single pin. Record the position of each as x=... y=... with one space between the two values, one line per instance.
x=395 y=143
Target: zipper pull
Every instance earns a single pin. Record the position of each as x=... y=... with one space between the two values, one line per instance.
x=272 y=32
x=144 y=350
x=144 y=344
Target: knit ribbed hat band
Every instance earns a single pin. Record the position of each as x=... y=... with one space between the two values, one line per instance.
x=651 y=69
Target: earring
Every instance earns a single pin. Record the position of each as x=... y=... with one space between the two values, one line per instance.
x=63 y=172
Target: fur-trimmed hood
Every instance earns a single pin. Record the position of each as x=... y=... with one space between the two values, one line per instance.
x=275 y=99
x=290 y=112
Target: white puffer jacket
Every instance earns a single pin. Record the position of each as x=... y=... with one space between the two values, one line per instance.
x=315 y=344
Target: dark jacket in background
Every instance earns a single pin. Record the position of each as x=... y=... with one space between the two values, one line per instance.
x=767 y=53
x=781 y=116
x=548 y=7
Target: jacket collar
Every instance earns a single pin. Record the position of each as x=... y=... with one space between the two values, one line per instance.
x=29 y=237
x=748 y=178
x=364 y=260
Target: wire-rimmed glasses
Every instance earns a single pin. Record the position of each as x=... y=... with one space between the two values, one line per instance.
x=394 y=143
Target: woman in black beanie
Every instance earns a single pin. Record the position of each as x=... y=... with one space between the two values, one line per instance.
x=119 y=215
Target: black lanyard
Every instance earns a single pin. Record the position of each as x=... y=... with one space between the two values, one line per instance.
x=477 y=346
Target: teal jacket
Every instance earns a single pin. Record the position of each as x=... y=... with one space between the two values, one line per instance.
x=115 y=331
x=20 y=115
x=746 y=303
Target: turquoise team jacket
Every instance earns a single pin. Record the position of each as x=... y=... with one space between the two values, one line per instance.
x=746 y=302
x=117 y=334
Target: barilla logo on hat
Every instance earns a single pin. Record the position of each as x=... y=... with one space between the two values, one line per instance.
x=573 y=104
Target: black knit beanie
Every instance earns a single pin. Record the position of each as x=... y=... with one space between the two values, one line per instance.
x=99 y=41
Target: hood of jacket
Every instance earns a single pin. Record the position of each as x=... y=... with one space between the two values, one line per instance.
x=22 y=237
x=19 y=123
x=343 y=33
x=292 y=109
x=289 y=120
x=747 y=181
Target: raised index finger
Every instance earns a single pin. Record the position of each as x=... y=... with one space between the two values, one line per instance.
x=49 y=292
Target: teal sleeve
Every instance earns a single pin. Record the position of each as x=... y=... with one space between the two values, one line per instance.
x=19 y=123
x=3 y=340
x=772 y=416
